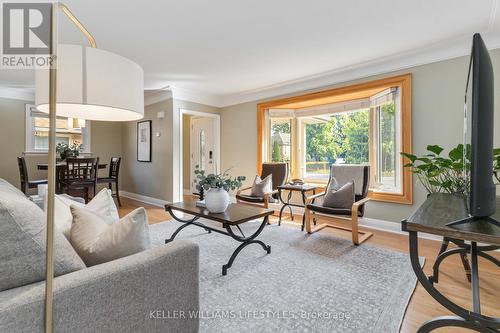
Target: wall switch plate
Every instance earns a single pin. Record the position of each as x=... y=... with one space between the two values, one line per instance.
x=160 y=115
x=158 y=134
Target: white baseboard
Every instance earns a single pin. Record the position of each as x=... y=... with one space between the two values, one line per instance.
x=143 y=198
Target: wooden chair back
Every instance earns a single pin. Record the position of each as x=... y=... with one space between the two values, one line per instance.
x=365 y=170
x=114 y=167
x=279 y=172
x=23 y=173
x=81 y=169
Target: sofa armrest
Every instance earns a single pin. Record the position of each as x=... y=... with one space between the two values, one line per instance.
x=153 y=291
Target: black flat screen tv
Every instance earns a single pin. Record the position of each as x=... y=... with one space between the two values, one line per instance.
x=482 y=188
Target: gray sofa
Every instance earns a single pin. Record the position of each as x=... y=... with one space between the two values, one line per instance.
x=151 y=291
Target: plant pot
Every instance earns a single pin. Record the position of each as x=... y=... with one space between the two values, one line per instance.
x=216 y=200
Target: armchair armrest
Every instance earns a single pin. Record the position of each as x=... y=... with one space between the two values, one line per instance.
x=358 y=204
x=243 y=189
x=313 y=197
x=268 y=194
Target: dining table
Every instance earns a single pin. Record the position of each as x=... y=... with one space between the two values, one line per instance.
x=60 y=166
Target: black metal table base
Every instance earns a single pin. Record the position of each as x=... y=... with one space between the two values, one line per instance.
x=473 y=320
x=288 y=204
x=462 y=249
x=245 y=240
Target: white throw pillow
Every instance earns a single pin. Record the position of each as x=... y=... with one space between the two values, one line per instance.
x=262 y=186
x=102 y=204
x=97 y=242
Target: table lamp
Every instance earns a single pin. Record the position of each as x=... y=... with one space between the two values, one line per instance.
x=86 y=83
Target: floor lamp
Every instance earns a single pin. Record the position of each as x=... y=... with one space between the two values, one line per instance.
x=85 y=83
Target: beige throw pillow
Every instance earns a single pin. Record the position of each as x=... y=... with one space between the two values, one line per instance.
x=339 y=197
x=97 y=242
x=102 y=204
x=262 y=186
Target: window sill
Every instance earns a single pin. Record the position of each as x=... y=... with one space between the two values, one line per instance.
x=399 y=198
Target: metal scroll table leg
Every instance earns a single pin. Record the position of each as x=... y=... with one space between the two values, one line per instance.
x=285 y=204
x=473 y=320
x=443 y=255
x=303 y=215
x=282 y=207
x=245 y=242
x=450 y=321
x=186 y=223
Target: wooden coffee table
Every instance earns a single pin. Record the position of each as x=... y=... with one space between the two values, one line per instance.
x=235 y=215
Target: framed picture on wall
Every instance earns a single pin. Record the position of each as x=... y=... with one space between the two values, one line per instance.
x=144 y=141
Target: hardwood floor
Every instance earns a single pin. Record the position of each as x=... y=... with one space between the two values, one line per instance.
x=422 y=307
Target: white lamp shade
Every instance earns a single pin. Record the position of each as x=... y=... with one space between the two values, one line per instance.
x=93 y=84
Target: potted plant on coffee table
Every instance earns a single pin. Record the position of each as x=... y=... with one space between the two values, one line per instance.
x=216 y=187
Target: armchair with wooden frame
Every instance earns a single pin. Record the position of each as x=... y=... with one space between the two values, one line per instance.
x=335 y=216
x=279 y=172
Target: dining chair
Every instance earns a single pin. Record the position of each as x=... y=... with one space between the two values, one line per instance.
x=279 y=172
x=342 y=174
x=23 y=173
x=114 y=171
x=80 y=174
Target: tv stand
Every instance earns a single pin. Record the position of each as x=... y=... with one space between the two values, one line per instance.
x=472 y=219
x=446 y=215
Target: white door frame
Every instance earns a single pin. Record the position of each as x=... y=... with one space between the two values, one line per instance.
x=215 y=116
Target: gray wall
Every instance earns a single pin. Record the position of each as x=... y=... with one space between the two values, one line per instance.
x=144 y=178
x=156 y=179
x=105 y=141
x=437 y=99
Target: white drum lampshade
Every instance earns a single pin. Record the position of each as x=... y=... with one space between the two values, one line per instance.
x=93 y=84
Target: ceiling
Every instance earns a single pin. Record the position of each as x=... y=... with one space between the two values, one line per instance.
x=225 y=52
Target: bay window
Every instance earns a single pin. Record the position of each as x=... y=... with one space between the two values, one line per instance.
x=367 y=125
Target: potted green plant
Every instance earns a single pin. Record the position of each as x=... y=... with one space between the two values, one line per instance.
x=66 y=151
x=217 y=186
x=449 y=174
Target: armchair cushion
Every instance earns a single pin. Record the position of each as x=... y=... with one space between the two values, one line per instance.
x=249 y=198
x=328 y=210
x=262 y=186
x=345 y=173
x=342 y=197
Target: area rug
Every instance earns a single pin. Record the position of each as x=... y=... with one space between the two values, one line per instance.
x=309 y=283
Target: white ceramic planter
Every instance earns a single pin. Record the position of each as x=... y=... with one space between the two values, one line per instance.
x=217 y=200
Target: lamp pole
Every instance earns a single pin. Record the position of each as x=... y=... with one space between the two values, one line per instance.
x=49 y=260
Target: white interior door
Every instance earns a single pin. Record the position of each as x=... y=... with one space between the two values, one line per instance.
x=203 y=146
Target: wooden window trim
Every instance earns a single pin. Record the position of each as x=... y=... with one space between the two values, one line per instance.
x=402 y=81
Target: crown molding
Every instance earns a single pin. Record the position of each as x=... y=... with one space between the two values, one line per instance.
x=156 y=96
x=196 y=96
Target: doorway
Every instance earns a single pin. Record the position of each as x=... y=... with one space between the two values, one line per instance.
x=200 y=146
